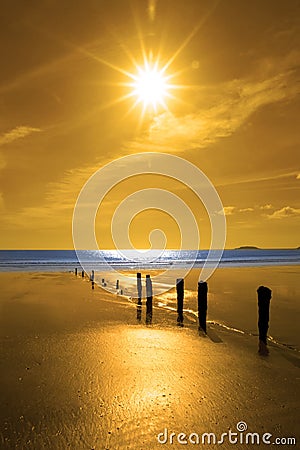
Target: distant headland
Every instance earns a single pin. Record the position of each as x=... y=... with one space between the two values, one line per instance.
x=253 y=247
x=247 y=247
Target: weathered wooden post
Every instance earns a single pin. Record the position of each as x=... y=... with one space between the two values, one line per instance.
x=202 y=304
x=264 y=295
x=139 y=287
x=92 y=278
x=180 y=296
x=149 y=294
x=117 y=284
x=82 y=274
x=76 y=271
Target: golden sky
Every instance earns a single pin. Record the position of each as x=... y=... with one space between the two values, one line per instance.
x=235 y=116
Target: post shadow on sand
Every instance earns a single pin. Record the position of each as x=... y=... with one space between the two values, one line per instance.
x=264 y=295
x=139 y=313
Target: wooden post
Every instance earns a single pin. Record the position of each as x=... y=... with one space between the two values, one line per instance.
x=117 y=284
x=92 y=278
x=139 y=287
x=180 y=296
x=264 y=295
x=202 y=304
x=103 y=281
x=82 y=274
x=149 y=299
x=76 y=271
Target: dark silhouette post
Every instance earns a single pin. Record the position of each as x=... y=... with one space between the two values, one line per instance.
x=82 y=274
x=92 y=278
x=117 y=284
x=180 y=296
x=202 y=304
x=139 y=287
x=76 y=271
x=149 y=299
x=264 y=295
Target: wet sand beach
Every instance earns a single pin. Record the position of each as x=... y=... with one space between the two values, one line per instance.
x=232 y=299
x=79 y=371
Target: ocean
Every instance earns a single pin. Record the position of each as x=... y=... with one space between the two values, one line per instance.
x=67 y=260
x=232 y=289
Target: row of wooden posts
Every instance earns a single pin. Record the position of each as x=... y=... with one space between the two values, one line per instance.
x=202 y=297
x=264 y=297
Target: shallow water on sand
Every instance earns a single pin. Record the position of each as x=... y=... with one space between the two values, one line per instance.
x=232 y=298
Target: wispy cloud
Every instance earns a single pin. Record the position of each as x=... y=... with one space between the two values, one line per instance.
x=17 y=133
x=228 y=210
x=284 y=213
x=268 y=206
x=57 y=207
x=227 y=107
x=246 y=210
x=281 y=213
x=259 y=179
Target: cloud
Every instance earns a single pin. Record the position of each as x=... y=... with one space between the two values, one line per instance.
x=298 y=176
x=268 y=206
x=228 y=210
x=227 y=107
x=17 y=133
x=57 y=207
x=284 y=213
x=246 y=209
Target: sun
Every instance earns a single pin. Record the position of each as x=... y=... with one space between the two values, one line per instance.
x=150 y=86
x=150 y=82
